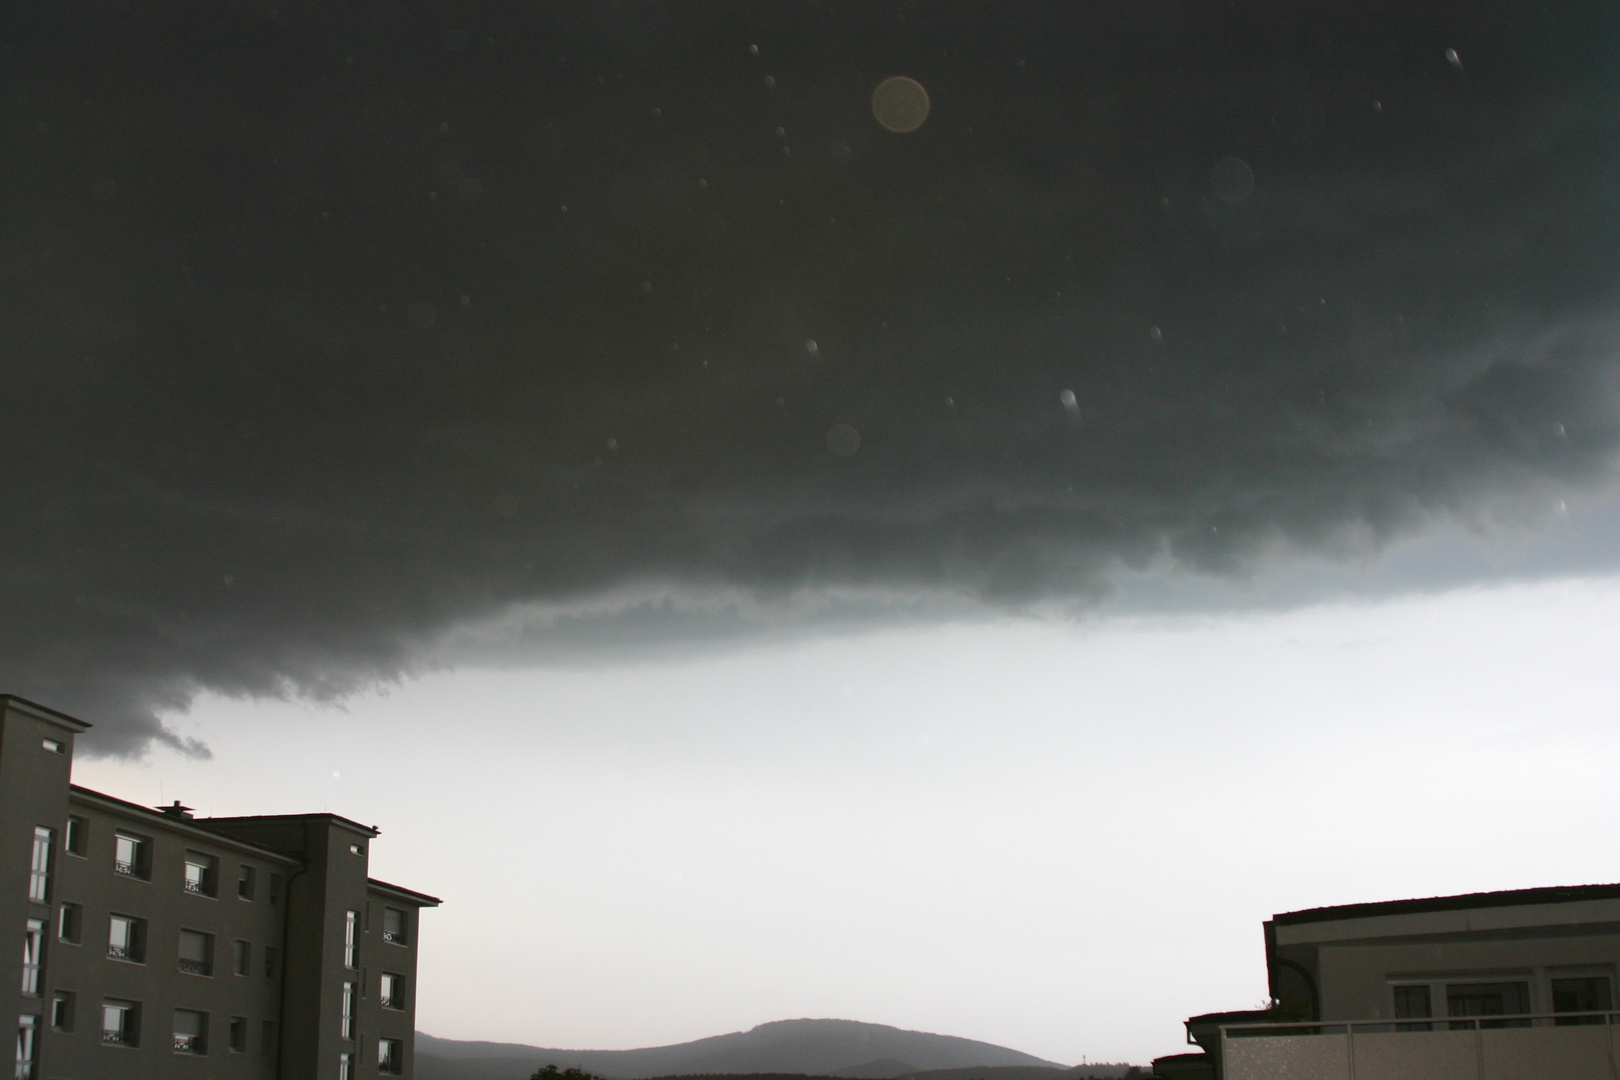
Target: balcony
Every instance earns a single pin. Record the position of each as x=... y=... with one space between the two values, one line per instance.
x=1530 y=1046
x=128 y=869
x=198 y=888
x=196 y=967
x=190 y=1044
x=118 y=1038
x=123 y=952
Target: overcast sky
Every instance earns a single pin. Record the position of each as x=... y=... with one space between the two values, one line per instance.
x=618 y=383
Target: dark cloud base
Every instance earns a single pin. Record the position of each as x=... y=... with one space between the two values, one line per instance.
x=325 y=328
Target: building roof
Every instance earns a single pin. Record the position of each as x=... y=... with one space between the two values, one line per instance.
x=189 y=826
x=1556 y=894
x=369 y=830
x=410 y=895
x=44 y=713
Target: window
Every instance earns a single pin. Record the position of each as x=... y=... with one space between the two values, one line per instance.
x=245 y=883
x=27 y=1033
x=272 y=959
x=1412 y=1003
x=351 y=928
x=190 y=1032
x=78 y=837
x=202 y=874
x=126 y=939
x=1588 y=994
x=394 y=926
x=53 y=745
x=39 y=871
x=121 y=1023
x=131 y=855
x=1488 y=999
x=390 y=1056
x=242 y=962
x=196 y=952
x=237 y=1043
x=33 y=955
x=356 y=849
x=392 y=991
x=62 y=1010
x=347 y=1004
x=69 y=921
x=345 y=1067
x=267 y=1038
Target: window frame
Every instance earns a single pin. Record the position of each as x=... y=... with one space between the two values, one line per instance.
x=191 y=1044
x=206 y=881
x=33 y=965
x=391 y=1057
x=128 y=1034
x=140 y=867
x=204 y=968
x=396 y=998
x=41 y=863
x=402 y=936
x=70 y=923
x=134 y=952
x=76 y=836
x=64 y=1007
x=233 y=1044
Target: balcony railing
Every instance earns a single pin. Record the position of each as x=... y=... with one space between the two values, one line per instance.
x=196 y=967
x=121 y=952
x=118 y=1038
x=1520 y=1046
x=198 y=888
x=396 y=936
x=190 y=1044
x=128 y=869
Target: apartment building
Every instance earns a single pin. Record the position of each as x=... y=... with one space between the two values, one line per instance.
x=1513 y=985
x=156 y=944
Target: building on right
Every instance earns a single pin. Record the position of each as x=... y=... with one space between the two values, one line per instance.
x=1516 y=985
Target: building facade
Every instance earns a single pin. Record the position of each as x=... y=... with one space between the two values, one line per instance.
x=161 y=945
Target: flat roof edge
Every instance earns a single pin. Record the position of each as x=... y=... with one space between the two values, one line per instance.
x=192 y=826
x=43 y=712
x=409 y=894
x=369 y=831
x=1555 y=894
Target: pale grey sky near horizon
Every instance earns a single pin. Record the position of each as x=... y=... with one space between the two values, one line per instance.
x=1057 y=836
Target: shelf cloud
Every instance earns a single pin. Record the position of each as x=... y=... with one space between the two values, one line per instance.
x=324 y=331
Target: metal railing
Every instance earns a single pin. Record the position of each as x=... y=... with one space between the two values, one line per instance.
x=396 y=936
x=1349 y=1029
x=128 y=869
x=198 y=888
x=118 y=1038
x=122 y=952
x=196 y=967
x=190 y=1044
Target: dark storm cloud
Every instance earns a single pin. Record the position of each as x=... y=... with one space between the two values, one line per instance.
x=325 y=328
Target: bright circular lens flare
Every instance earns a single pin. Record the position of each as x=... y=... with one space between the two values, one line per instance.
x=900 y=104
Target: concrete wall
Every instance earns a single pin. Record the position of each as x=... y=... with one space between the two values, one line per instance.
x=33 y=792
x=157 y=984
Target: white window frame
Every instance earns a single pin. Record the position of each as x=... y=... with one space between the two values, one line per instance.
x=39 y=868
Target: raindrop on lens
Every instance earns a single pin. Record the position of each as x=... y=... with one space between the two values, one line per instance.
x=1070 y=405
x=1454 y=60
x=843 y=440
x=422 y=314
x=811 y=347
x=900 y=104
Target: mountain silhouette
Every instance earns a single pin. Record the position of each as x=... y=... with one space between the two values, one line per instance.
x=813 y=1047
